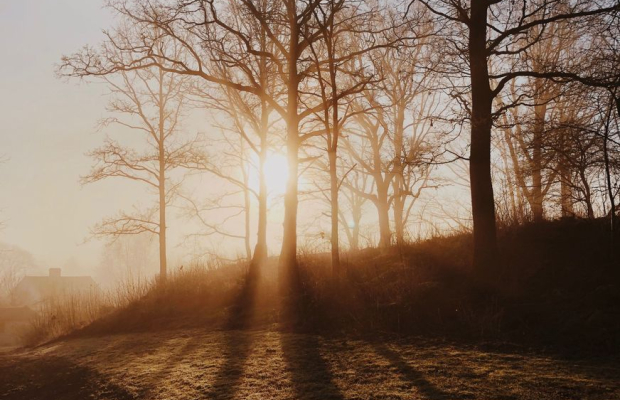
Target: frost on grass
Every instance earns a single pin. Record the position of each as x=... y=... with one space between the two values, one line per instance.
x=274 y=365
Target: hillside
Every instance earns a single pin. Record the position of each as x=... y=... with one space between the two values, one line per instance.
x=408 y=323
x=563 y=293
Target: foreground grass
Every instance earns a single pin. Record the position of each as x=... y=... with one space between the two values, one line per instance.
x=268 y=364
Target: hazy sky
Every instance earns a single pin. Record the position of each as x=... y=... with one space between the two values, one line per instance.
x=47 y=127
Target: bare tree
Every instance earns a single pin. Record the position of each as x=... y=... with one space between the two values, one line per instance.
x=14 y=263
x=206 y=26
x=391 y=138
x=496 y=32
x=150 y=103
x=345 y=37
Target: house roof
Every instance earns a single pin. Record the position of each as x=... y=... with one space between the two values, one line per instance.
x=43 y=286
x=16 y=313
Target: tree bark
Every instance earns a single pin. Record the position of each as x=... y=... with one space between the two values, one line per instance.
x=261 y=250
x=482 y=201
x=610 y=191
x=288 y=253
x=399 y=182
x=333 y=174
x=383 y=210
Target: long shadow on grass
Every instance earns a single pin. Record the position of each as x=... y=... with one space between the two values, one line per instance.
x=310 y=374
x=172 y=363
x=237 y=344
x=55 y=378
x=416 y=378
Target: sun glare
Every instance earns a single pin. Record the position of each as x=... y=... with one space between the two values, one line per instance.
x=276 y=175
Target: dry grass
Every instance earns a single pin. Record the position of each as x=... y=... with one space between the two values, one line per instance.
x=142 y=303
x=266 y=364
x=64 y=313
x=562 y=292
x=250 y=345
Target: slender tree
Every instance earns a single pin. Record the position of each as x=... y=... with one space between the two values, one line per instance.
x=149 y=103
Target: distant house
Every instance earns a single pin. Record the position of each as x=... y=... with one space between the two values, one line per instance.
x=33 y=290
x=12 y=321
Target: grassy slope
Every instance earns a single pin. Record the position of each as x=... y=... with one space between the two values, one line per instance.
x=267 y=364
x=561 y=287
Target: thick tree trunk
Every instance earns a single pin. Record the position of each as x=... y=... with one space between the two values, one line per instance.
x=260 y=250
x=399 y=208
x=333 y=174
x=383 y=210
x=333 y=151
x=288 y=253
x=399 y=181
x=482 y=201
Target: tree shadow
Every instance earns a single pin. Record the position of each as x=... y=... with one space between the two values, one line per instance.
x=171 y=365
x=311 y=377
x=237 y=348
x=55 y=378
x=310 y=373
x=237 y=344
x=416 y=378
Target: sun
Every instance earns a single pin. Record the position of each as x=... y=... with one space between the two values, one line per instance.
x=276 y=175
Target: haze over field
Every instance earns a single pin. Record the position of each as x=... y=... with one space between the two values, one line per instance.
x=310 y=199
x=49 y=125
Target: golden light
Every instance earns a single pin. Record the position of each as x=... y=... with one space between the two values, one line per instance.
x=276 y=175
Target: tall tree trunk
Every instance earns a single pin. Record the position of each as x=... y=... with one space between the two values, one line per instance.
x=163 y=267
x=536 y=201
x=333 y=174
x=162 y=222
x=333 y=149
x=288 y=253
x=610 y=190
x=383 y=210
x=398 y=210
x=482 y=201
x=260 y=250
x=399 y=181
x=247 y=205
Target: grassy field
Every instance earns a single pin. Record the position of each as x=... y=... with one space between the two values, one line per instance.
x=268 y=364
